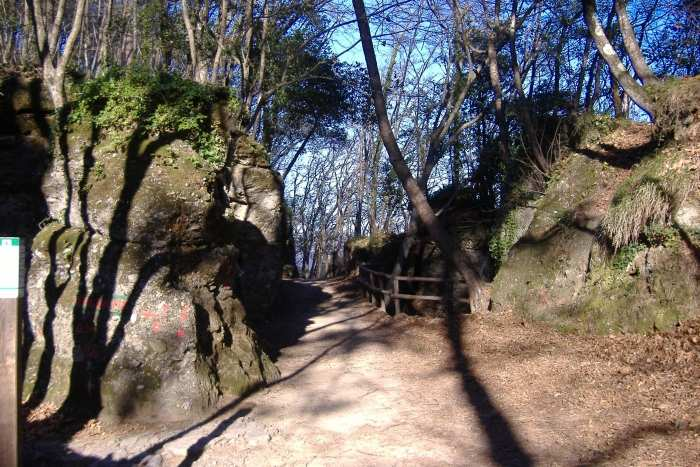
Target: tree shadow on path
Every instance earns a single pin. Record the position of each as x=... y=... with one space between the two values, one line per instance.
x=309 y=293
x=297 y=303
x=504 y=447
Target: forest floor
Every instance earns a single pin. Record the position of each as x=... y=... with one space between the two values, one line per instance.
x=359 y=387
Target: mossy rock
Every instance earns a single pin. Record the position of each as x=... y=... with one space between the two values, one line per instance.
x=542 y=277
x=677 y=108
x=56 y=389
x=379 y=251
x=660 y=288
x=141 y=287
x=57 y=239
x=512 y=227
x=546 y=269
x=687 y=219
x=247 y=151
x=588 y=129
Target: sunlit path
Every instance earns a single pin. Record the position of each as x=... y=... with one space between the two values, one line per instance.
x=361 y=388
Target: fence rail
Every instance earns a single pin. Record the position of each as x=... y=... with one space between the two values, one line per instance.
x=381 y=288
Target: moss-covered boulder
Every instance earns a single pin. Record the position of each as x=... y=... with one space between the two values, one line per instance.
x=612 y=246
x=546 y=269
x=111 y=325
x=653 y=288
x=143 y=288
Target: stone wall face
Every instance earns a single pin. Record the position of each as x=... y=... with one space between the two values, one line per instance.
x=142 y=286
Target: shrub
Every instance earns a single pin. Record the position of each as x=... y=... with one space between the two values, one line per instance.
x=661 y=235
x=128 y=100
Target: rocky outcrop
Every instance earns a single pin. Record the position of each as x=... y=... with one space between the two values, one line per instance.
x=565 y=269
x=546 y=269
x=677 y=101
x=254 y=206
x=144 y=282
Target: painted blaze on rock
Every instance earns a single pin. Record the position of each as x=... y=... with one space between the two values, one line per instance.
x=141 y=304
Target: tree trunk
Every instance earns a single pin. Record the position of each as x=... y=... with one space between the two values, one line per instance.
x=618 y=69
x=374 y=170
x=557 y=58
x=191 y=41
x=477 y=293
x=363 y=162
x=54 y=61
x=100 y=59
x=495 y=79
x=221 y=33
x=582 y=72
x=536 y=154
x=616 y=97
x=629 y=38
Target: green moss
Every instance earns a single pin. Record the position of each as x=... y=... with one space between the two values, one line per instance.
x=503 y=238
x=574 y=180
x=251 y=152
x=590 y=128
x=677 y=108
x=655 y=296
x=64 y=241
x=59 y=385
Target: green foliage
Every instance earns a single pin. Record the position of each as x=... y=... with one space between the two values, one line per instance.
x=98 y=170
x=134 y=100
x=504 y=238
x=211 y=146
x=625 y=255
x=661 y=235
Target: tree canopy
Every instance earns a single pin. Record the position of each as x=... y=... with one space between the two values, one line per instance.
x=474 y=90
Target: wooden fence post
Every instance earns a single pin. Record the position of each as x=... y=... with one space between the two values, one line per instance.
x=11 y=266
x=395 y=291
x=360 y=278
x=383 y=298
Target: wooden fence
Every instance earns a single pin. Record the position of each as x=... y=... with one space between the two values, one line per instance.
x=381 y=288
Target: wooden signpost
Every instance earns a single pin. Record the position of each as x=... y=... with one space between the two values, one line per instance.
x=11 y=265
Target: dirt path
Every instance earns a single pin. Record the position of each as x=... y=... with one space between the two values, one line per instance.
x=361 y=388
